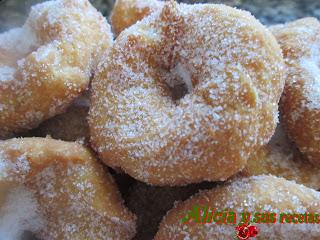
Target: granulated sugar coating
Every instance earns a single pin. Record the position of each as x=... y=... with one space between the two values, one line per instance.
x=300 y=108
x=58 y=190
x=232 y=71
x=48 y=62
x=256 y=194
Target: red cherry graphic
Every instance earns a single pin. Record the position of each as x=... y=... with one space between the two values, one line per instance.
x=253 y=231
x=243 y=232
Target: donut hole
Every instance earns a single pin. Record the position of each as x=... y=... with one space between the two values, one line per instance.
x=179 y=81
x=179 y=91
x=27 y=235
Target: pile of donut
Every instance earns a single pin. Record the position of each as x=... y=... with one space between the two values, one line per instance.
x=170 y=94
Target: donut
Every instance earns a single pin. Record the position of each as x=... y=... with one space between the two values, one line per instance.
x=300 y=104
x=187 y=94
x=48 y=62
x=71 y=125
x=255 y=195
x=127 y=12
x=58 y=190
x=281 y=158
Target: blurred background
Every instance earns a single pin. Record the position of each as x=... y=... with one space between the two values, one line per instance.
x=14 y=12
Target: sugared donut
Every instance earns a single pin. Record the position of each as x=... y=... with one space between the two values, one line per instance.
x=127 y=12
x=281 y=158
x=300 y=104
x=48 y=62
x=58 y=190
x=262 y=194
x=228 y=66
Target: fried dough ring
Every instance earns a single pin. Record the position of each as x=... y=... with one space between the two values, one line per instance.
x=281 y=158
x=300 y=104
x=74 y=198
x=256 y=194
x=48 y=62
x=234 y=81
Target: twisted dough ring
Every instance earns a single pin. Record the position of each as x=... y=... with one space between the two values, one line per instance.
x=47 y=63
x=67 y=192
x=300 y=105
x=256 y=194
x=233 y=71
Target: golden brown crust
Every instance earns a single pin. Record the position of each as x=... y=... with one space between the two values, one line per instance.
x=282 y=159
x=300 y=105
x=256 y=194
x=234 y=80
x=127 y=12
x=75 y=198
x=48 y=62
